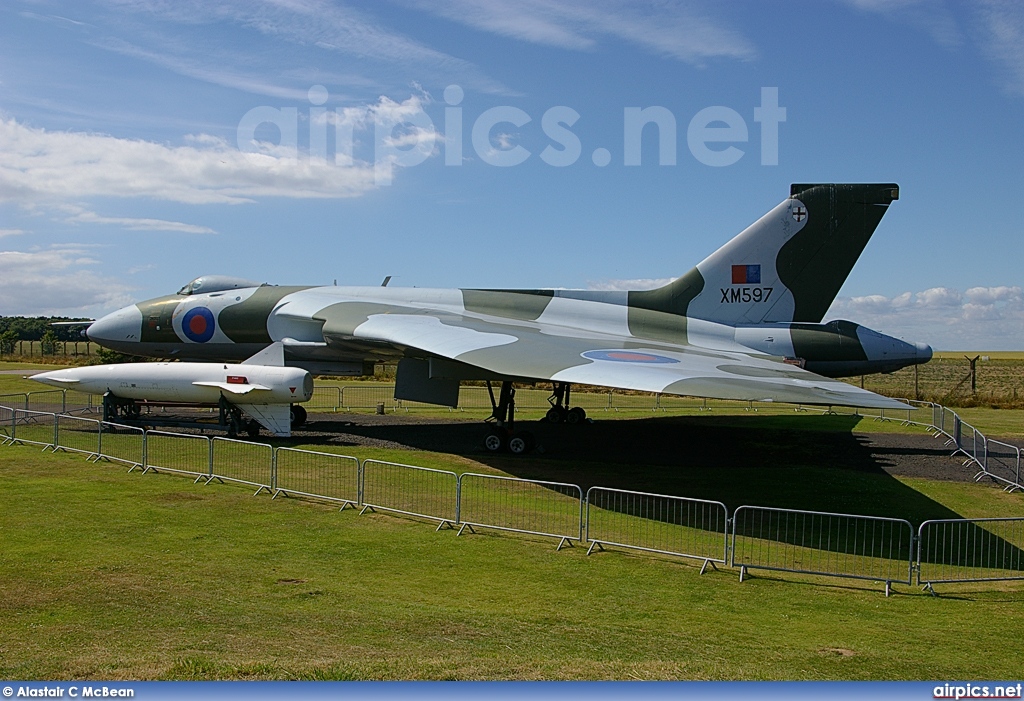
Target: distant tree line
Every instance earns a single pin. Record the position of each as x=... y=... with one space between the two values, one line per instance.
x=40 y=328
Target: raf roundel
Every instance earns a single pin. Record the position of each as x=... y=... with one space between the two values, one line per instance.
x=628 y=356
x=198 y=324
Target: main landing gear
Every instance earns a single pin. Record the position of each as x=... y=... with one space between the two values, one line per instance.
x=502 y=434
x=560 y=411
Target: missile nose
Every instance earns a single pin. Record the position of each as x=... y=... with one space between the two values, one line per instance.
x=124 y=325
x=924 y=352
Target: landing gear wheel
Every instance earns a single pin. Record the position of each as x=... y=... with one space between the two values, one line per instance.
x=298 y=415
x=556 y=415
x=576 y=415
x=252 y=429
x=494 y=442
x=521 y=442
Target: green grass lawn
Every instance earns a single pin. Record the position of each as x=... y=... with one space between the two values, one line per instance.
x=106 y=574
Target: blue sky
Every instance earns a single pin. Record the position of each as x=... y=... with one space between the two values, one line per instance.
x=131 y=161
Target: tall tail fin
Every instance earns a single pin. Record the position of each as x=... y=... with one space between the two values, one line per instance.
x=786 y=267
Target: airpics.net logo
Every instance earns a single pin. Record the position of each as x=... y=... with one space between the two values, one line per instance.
x=392 y=134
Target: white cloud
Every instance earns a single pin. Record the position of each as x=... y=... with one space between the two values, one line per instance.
x=56 y=281
x=82 y=216
x=47 y=167
x=624 y=285
x=1001 y=26
x=931 y=16
x=329 y=26
x=10 y=232
x=982 y=318
x=669 y=29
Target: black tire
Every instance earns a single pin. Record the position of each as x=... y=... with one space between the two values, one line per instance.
x=253 y=429
x=494 y=442
x=576 y=415
x=556 y=415
x=520 y=443
x=298 y=415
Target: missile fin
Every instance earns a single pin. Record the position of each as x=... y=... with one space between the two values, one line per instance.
x=276 y=418
x=271 y=355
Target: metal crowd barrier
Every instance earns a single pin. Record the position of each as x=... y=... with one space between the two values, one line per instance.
x=1002 y=463
x=970 y=550
x=244 y=462
x=319 y=475
x=6 y=424
x=183 y=453
x=821 y=543
x=538 y=507
x=33 y=427
x=77 y=435
x=126 y=444
x=414 y=491
x=693 y=528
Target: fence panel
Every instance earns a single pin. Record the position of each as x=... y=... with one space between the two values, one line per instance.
x=6 y=424
x=76 y=402
x=33 y=427
x=970 y=550
x=313 y=474
x=78 y=435
x=324 y=399
x=659 y=523
x=121 y=443
x=243 y=462
x=1002 y=463
x=406 y=489
x=368 y=397
x=46 y=400
x=187 y=454
x=812 y=542
x=18 y=400
x=552 y=509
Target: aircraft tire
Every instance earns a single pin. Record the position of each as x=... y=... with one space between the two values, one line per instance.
x=556 y=415
x=253 y=429
x=576 y=415
x=298 y=415
x=494 y=442
x=520 y=443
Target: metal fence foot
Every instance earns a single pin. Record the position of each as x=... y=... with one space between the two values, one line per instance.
x=464 y=527
x=888 y=588
x=928 y=588
x=367 y=508
x=278 y=493
x=704 y=567
x=347 y=504
x=441 y=525
x=595 y=544
x=565 y=541
x=262 y=487
x=743 y=572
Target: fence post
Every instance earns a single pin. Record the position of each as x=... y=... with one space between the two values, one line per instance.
x=273 y=468
x=99 y=442
x=360 y=477
x=63 y=401
x=209 y=444
x=458 y=500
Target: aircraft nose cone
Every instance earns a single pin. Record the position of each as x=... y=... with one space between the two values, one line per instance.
x=924 y=352
x=122 y=326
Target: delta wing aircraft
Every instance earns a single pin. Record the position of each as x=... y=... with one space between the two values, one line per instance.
x=745 y=324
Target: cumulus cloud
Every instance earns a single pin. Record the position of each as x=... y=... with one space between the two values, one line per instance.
x=981 y=318
x=56 y=281
x=1001 y=33
x=84 y=216
x=38 y=166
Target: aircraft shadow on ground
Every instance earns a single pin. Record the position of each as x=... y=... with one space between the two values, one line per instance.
x=812 y=463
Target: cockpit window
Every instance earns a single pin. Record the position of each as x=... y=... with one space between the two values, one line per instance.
x=215 y=283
